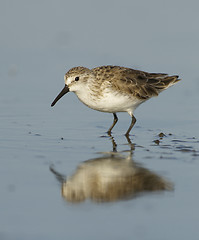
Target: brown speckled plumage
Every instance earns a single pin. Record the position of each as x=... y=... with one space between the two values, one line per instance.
x=115 y=89
x=137 y=83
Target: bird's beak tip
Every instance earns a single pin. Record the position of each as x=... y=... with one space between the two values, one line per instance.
x=61 y=94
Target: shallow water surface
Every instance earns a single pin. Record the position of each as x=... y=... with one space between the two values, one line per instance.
x=61 y=176
x=119 y=189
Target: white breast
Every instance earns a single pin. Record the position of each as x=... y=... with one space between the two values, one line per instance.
x=109 y=102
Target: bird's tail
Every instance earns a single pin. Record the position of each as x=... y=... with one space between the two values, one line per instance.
x=170 y=81
x=163 y=81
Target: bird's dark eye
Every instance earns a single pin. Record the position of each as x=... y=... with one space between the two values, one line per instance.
x=77 y=79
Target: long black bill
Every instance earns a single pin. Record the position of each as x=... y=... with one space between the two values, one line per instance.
x=61 y=94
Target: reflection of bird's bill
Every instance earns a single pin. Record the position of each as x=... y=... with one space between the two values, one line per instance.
x=61 y=94
x=60 y=177
x=111 y=178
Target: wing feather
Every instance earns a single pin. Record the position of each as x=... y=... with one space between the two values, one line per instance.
x=140 y=84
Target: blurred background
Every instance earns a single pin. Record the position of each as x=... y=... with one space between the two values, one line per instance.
x=40 y=40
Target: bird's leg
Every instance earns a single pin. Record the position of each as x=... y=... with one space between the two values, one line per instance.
x=114 y=122
x=132 y=145
x=114 y=144
x=133 y=120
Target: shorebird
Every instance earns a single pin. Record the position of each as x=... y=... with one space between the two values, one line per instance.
x=108 y=178
x=114 y=89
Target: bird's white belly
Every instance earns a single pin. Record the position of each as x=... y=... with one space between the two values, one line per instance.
x=111 y=102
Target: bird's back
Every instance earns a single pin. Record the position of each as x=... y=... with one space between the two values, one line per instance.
x=142 y=85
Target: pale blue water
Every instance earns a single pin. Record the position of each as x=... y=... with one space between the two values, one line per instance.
x=39 y=42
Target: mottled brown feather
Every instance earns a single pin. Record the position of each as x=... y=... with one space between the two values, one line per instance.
x=140 y=84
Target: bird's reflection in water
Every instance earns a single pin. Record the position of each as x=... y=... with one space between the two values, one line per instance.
x=108 y=178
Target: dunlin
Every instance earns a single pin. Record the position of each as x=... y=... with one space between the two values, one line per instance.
x=114 y=89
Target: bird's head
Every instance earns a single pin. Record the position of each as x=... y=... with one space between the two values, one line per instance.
x=75 y=80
